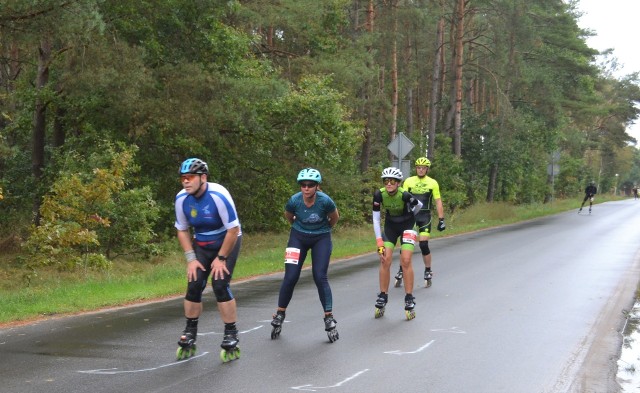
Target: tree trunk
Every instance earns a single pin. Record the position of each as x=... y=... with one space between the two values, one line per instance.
x=59 y=133
x=408 y=54
x=435 y=89
x=394 y=73
x=409 y=110
x=457 y=126
x=493 y=180
x=39 y=121
x=365 y=152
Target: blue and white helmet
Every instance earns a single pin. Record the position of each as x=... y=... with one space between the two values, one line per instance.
x=310 y=174
x=392 y=173
x=194 y=166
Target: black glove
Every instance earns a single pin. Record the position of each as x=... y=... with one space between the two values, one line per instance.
x=441 y=226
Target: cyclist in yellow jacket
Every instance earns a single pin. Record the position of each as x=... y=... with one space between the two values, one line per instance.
x=427 y=191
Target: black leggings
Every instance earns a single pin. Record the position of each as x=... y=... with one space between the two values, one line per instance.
x=321 y=247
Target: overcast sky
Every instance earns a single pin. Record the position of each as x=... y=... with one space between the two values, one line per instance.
x=615 y=23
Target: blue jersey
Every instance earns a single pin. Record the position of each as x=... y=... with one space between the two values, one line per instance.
x=210 y=215
x=314 y=219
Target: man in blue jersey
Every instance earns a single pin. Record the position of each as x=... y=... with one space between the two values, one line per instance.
x=312 y=214
x=210 y=236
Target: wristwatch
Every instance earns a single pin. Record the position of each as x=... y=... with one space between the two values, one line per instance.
x=222 y=258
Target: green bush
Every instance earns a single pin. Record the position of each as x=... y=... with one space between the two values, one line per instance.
x=89 y=214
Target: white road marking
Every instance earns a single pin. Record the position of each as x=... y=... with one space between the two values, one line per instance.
x=112 y=371
x=398 y=352
x=453 y=329
x=240 y=332
x=311 y=388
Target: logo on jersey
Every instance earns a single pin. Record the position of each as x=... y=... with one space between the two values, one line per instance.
x=194 y=212
x=313 y=218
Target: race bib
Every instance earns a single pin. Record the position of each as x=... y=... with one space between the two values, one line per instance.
x=409 y=237
x=292 y=255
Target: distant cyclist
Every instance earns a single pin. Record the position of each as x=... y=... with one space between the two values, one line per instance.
x=427 y=191
x=589 y=193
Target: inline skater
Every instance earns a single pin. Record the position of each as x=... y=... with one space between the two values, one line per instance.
x=589 y=193
x=427 y=191
x=213 y=248
x=400 y=207
x=312 y=214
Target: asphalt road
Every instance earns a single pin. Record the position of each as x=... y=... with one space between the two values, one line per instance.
x=531 y=307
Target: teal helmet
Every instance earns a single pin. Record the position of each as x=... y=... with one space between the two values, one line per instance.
x=194 y=166
x=310 y=174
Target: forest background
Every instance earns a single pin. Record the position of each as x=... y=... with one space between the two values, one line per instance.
x=100 y=101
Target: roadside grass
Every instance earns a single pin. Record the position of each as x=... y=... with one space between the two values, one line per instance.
x=49 y=292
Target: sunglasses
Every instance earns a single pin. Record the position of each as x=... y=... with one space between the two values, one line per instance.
x=188 y=177
x=308 y=184
x=389 y=181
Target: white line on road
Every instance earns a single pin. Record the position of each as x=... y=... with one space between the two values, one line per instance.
x=454 y=329
x=241 y=332
x=112 y=371
x=311 y=388
x=398 y=352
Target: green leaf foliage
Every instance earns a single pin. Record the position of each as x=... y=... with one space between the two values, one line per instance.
x=90 y=212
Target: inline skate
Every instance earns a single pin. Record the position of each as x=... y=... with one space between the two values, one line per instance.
x=278 y=320
x=330 y=328
x=187 y=343
x=409 y=305
x=381 y=303
x=428 y=275
x=230 y=350
x=398 y=278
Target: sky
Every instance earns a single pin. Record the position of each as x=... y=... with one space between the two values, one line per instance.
x=614 y=22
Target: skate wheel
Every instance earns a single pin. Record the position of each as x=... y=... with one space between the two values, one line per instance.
x=411 y=314
x=379 y=312
x=229 y=355
x=226 y=356
x=275 y=333
x=333 y=335
x=185 y=352
x=398 y=283
x=427 y=283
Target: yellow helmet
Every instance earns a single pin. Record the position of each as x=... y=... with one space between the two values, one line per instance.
x=423 y=161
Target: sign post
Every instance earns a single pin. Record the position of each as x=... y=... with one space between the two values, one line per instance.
x=553 y=169
x=400 y=146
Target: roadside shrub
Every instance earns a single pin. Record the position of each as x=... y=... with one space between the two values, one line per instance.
x=89 y=214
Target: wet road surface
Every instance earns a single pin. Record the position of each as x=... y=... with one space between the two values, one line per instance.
x=531 y=307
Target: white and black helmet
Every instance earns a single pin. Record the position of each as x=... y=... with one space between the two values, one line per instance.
x=392 y=173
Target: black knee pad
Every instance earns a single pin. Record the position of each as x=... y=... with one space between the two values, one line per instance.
x=222 y=291
x=194 y=291
x=424 y=247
